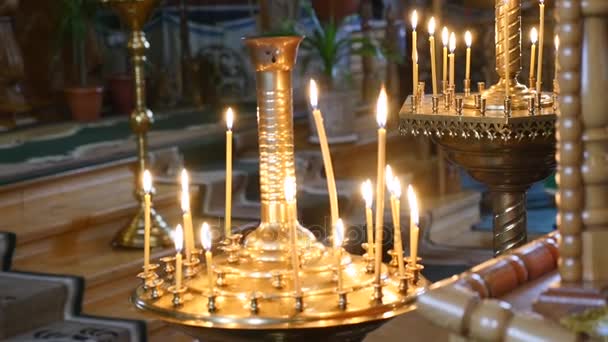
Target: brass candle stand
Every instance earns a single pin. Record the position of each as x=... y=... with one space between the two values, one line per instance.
x=252 y=293
x=134 y=14
x=505 y=142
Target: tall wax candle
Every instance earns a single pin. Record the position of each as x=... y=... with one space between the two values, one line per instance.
x=445 y=39
x=395 y=189
x=556 y=43
x=433 y=61
x=507 y=49
x=290 y=198
x=381 y=116
x=338 y=240
x=367 y=192
x=452 y=58
x=178 y=239
x=468 y=39
x=206 y=241
x=414 y=19
x=533 y=40
x=228 y=207
x=147 y=186
x=186 y=215
x=327 y=163
x=541 y=42
x=414 y=221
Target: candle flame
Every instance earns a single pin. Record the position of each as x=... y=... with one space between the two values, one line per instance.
x=432 y=26
x=178 y=238
x=468 y=38
x=339 y=233
x=533 y=35
x=452 y=42
x=411 y=198
x=542 y=2
x=229 y=118
x=185 y=180
x=382 y=108
x=556 y=42
x=206 y=236
x=388 y=177
x=147 y=181
x=313 y=92
x=367 y=191
x=445 y=36
x=396 y=188
x=290 y=188
x=414 y=19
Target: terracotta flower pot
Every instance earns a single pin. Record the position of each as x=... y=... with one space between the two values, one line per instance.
x=339 y=9
x=122 y=93
x=85 y=102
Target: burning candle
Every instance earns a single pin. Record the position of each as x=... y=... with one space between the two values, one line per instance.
x=367 y=191
x=452 y=58
x=290 y=198
x=414 y=19
x=186 y=216
x=329 y=170
x=533 y=40
x=468 y=39
x=178 y=239
x=433 y=61
x=414 y=221
x=507 y=49
x=228 y=208
x=541 y=42
x=147 y=186
x=338 y=240
x=395 y=189
x=206 y=243
x=445 y=39
x=381 y=116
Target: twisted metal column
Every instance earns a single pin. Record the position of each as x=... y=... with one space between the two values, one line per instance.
x=510 y=220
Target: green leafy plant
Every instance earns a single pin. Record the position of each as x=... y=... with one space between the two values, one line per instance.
x=76 y=19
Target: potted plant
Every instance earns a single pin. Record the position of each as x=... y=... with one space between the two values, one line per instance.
x=84 y=99
x=337 y=99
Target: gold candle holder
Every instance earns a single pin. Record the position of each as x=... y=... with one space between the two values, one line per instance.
x=532 y=106
x=467 y=87
x=435 y=103
x=134 y=13
x=459 y=105
x=481 y=87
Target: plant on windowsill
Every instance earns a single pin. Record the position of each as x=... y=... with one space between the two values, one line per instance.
x=84 y=99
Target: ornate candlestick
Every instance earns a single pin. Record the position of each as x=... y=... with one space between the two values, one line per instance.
x=255 y=296
x=505 y=142
x=134 y=13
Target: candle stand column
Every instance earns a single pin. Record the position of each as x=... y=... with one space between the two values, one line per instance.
x=134 y=14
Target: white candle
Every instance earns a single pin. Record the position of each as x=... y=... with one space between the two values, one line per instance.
x=507 y=59
x=541 y=42
x=445 y=39
x=329 y=170
x=395 y=189
x=433 y=61
x=452 y=58
x=178 y=239
x=186 y=216
x=147 y=186
x=381 y=116
x=533 y=40
x=228 y=207
x=338 y=240
x=206 y=241
x=556 y=43
x=367 y=191
x=468 y=39
x=414 y=221
x=414 y=19
x=290 y=198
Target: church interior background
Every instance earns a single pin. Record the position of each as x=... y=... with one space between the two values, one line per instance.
x=286 y=170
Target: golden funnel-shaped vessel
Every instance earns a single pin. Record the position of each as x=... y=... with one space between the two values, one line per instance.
x=250 y=293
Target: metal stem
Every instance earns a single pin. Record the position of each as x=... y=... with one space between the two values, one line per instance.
x=510 y=220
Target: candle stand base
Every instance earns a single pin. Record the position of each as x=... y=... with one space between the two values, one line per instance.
x=507 y=153
x=132 y=236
